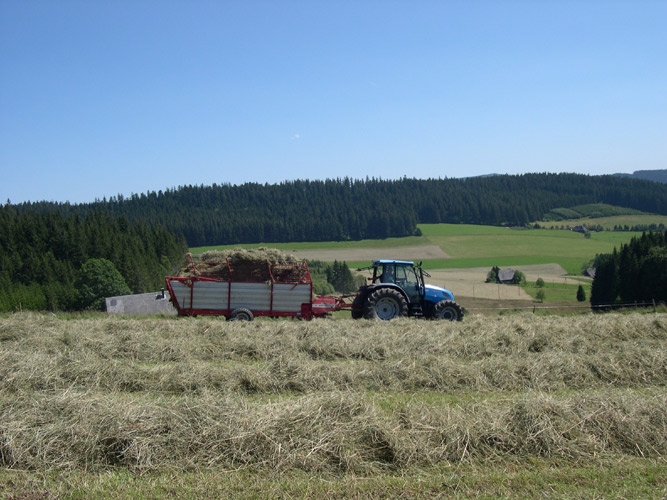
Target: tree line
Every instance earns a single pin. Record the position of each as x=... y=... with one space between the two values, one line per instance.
x=50 y=260
x=346 y=209
x=637 y=273
x=44 y=246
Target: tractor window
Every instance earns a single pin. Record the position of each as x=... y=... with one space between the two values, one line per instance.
x=411 y=284
x=388 y=275
x=401 y=276
x=410 y=275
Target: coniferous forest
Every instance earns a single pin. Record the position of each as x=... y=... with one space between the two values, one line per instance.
x=43 y=256
x=637 y=273
x=346 y=209
x=44 y=245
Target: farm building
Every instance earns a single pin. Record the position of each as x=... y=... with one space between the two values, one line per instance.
x=506 y=276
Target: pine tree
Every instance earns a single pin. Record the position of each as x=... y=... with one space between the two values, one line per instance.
x=581 y=294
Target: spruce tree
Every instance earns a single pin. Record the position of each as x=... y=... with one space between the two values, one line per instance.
x=581 y=294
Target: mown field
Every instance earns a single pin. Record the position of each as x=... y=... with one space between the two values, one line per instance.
x=515 y=406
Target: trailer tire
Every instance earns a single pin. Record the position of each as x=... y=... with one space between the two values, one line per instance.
x=241 y=314
x=447 y=310
x=385 y=304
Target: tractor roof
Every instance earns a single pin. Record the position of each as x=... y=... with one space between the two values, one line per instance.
x=390 y=261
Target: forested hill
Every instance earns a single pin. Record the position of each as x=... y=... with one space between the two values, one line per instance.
x=649 y=175
x=342 y=209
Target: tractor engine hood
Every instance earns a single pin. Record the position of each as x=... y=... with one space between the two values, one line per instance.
x=435 y=294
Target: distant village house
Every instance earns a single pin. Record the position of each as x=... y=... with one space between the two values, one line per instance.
x=506 y=276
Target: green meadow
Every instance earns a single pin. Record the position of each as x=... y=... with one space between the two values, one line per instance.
x=611 y=222
x=485 y=246
x=326 y=245
x=470 y=246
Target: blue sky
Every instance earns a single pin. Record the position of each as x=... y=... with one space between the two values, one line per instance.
x=104 y=98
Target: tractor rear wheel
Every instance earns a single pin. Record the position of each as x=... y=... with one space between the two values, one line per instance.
x=447 y=310
x=385 y=304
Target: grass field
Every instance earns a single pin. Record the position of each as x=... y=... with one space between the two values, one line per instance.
x=505 y=407
x=611 y=222
x=468 y=246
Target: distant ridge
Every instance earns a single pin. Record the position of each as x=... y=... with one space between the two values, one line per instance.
x=648 y=175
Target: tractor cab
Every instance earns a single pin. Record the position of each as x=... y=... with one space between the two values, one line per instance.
x=402 y=273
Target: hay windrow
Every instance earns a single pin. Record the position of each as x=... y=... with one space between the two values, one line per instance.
x=327 y=396
x=327 y=432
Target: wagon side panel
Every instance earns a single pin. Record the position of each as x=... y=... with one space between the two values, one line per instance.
x=287 y=298
x=253 y=296
x=210 y=295
x=180 y=294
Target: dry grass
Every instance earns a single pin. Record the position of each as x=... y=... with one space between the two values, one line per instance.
x=216 y=262
x=329 y=395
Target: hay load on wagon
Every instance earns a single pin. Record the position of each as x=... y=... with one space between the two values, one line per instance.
x=257 y=264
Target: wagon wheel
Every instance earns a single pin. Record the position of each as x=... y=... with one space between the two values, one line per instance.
x=241 y=314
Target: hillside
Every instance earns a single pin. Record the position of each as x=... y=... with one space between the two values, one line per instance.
x=649 y=175
x=346 y=209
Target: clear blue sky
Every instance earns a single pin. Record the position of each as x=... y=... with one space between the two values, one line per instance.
x=100 y=98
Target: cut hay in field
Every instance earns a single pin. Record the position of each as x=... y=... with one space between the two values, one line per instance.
x=328 y=396
x=241 y=264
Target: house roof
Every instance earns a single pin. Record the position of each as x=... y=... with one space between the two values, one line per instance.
x=506 y=275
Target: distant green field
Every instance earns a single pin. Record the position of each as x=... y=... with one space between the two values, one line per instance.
x=485 y=246
x=610 y=222
x=470 y=246
x=324 y=245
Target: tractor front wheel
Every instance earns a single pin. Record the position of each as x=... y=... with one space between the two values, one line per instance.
x=385 y=304
x=447 y=310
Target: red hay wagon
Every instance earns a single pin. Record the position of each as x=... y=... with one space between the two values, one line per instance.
x=241 y=290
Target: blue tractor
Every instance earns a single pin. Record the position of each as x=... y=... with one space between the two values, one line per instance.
x=397 y=288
